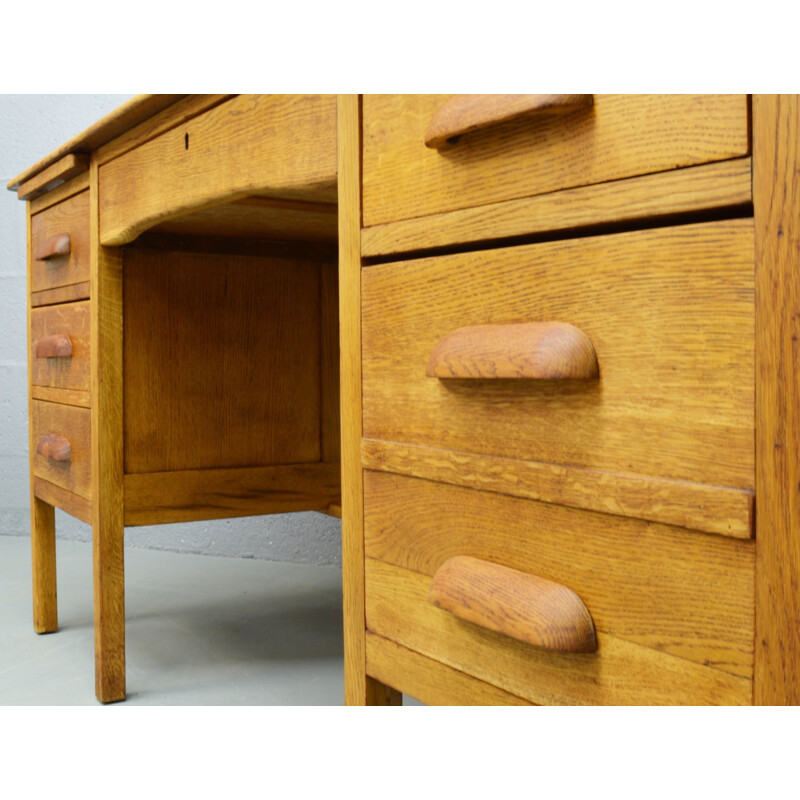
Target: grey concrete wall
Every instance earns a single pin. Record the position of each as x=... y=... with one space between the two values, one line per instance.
x=30 y=127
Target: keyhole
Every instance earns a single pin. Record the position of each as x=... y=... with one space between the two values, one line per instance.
x=186 y=141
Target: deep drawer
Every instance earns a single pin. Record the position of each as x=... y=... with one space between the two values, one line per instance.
x=60 y=246
x=60 y=346
x=618 y=136
x=672 y=609
x=60 y=444
x=668 y=312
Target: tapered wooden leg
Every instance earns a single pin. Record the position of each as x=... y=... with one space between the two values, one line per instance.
x=109 y=612
x=43 y=550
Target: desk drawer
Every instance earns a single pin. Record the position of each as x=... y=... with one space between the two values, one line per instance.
x=669 y=313
x=618 y=136
x=60 y=346
x=672 y=609
x=60 y=444
x=60 y=246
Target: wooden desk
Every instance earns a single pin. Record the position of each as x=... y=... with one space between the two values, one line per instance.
x=183 y=324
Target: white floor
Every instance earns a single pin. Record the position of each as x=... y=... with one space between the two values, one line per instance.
x=201 y=630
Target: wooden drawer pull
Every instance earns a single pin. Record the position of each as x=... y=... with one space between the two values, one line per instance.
x=54 y=447
x=535 y=350
x=55 y=346
x=469 y=112
x=55 y=246
x=522 y=606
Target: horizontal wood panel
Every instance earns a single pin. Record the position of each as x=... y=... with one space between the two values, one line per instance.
x=73 y=504
x=221 y=361
x=430 y=681
x=670 y=315
x=55 y=175
x=275 y=145
x=72 y=187
x=619 y=673
x=62 y=294
x=619 y=137
x=705 y=188
x=184 y=496
x=68 y=397
x=70 y=217
x=680 y=592
x=73 y=423
x=72 y=321
x=697 y=506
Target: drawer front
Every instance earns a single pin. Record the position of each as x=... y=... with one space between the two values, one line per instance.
x=60 y=246
x=283 y=146
x=60 y=346
x=60 y=444
x=668 y=312
x=617 y=137
x=673 y=610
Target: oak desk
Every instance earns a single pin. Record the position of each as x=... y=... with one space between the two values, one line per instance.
x=183 y=334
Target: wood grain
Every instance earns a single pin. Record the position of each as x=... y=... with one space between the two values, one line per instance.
x=55 y=246
x=516 y=604
x=72 y=423
x=466 y=113
x=548 y=351
x=275 y=145
x=668 y=589
x=73 y=504
x=43 y=552
x=776 y=191
x=108 y=555
x=222 y=361
x=67 y=397
x=669 y=313
x=68 y=218
x=702 y=188
x=56 y=332
x=114 y=123
x=623 y=136
x=330 y=416
x=55 y=196
x=429 y=681
x=359 y=689
x=184 y=496
x=62 y=294
x=619 y=673
x=697 y=506
x=65 y=168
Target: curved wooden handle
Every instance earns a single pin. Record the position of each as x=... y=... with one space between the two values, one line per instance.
x=55 y=346
x=58 y=245
x=55 y=447
x=535 y=350
x=469 y=112
x=516 y=604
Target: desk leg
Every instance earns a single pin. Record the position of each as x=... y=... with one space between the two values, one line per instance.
x=43 y=547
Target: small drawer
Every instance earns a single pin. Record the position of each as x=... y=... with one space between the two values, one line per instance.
x=672 y=610
x=60 y=346
x=60 y=445
x=628 y=353
x=549 y=145
x=60 y=246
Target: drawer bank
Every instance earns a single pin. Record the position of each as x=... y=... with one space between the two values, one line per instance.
x=538 y=351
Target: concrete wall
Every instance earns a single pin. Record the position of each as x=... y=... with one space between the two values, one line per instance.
x=30 y=127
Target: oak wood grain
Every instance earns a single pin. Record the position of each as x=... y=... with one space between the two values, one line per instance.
x=61 y=294
x=776 y=190
x=697 y=506
x=60 y=172
x=668 y=311
x=516 y=604
x=702 y=188
x=73 y=504
x=63 y=192
x=187 y=495
x=67 y=397
x=677 y=591
x=69 y=218
x=275 y=145
x=623 y=136
x=430 y=681
x=43 y=553
x=73 y=424
x=61 y=348
x=548 y=351
x=619 y=673
x=464 y=113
